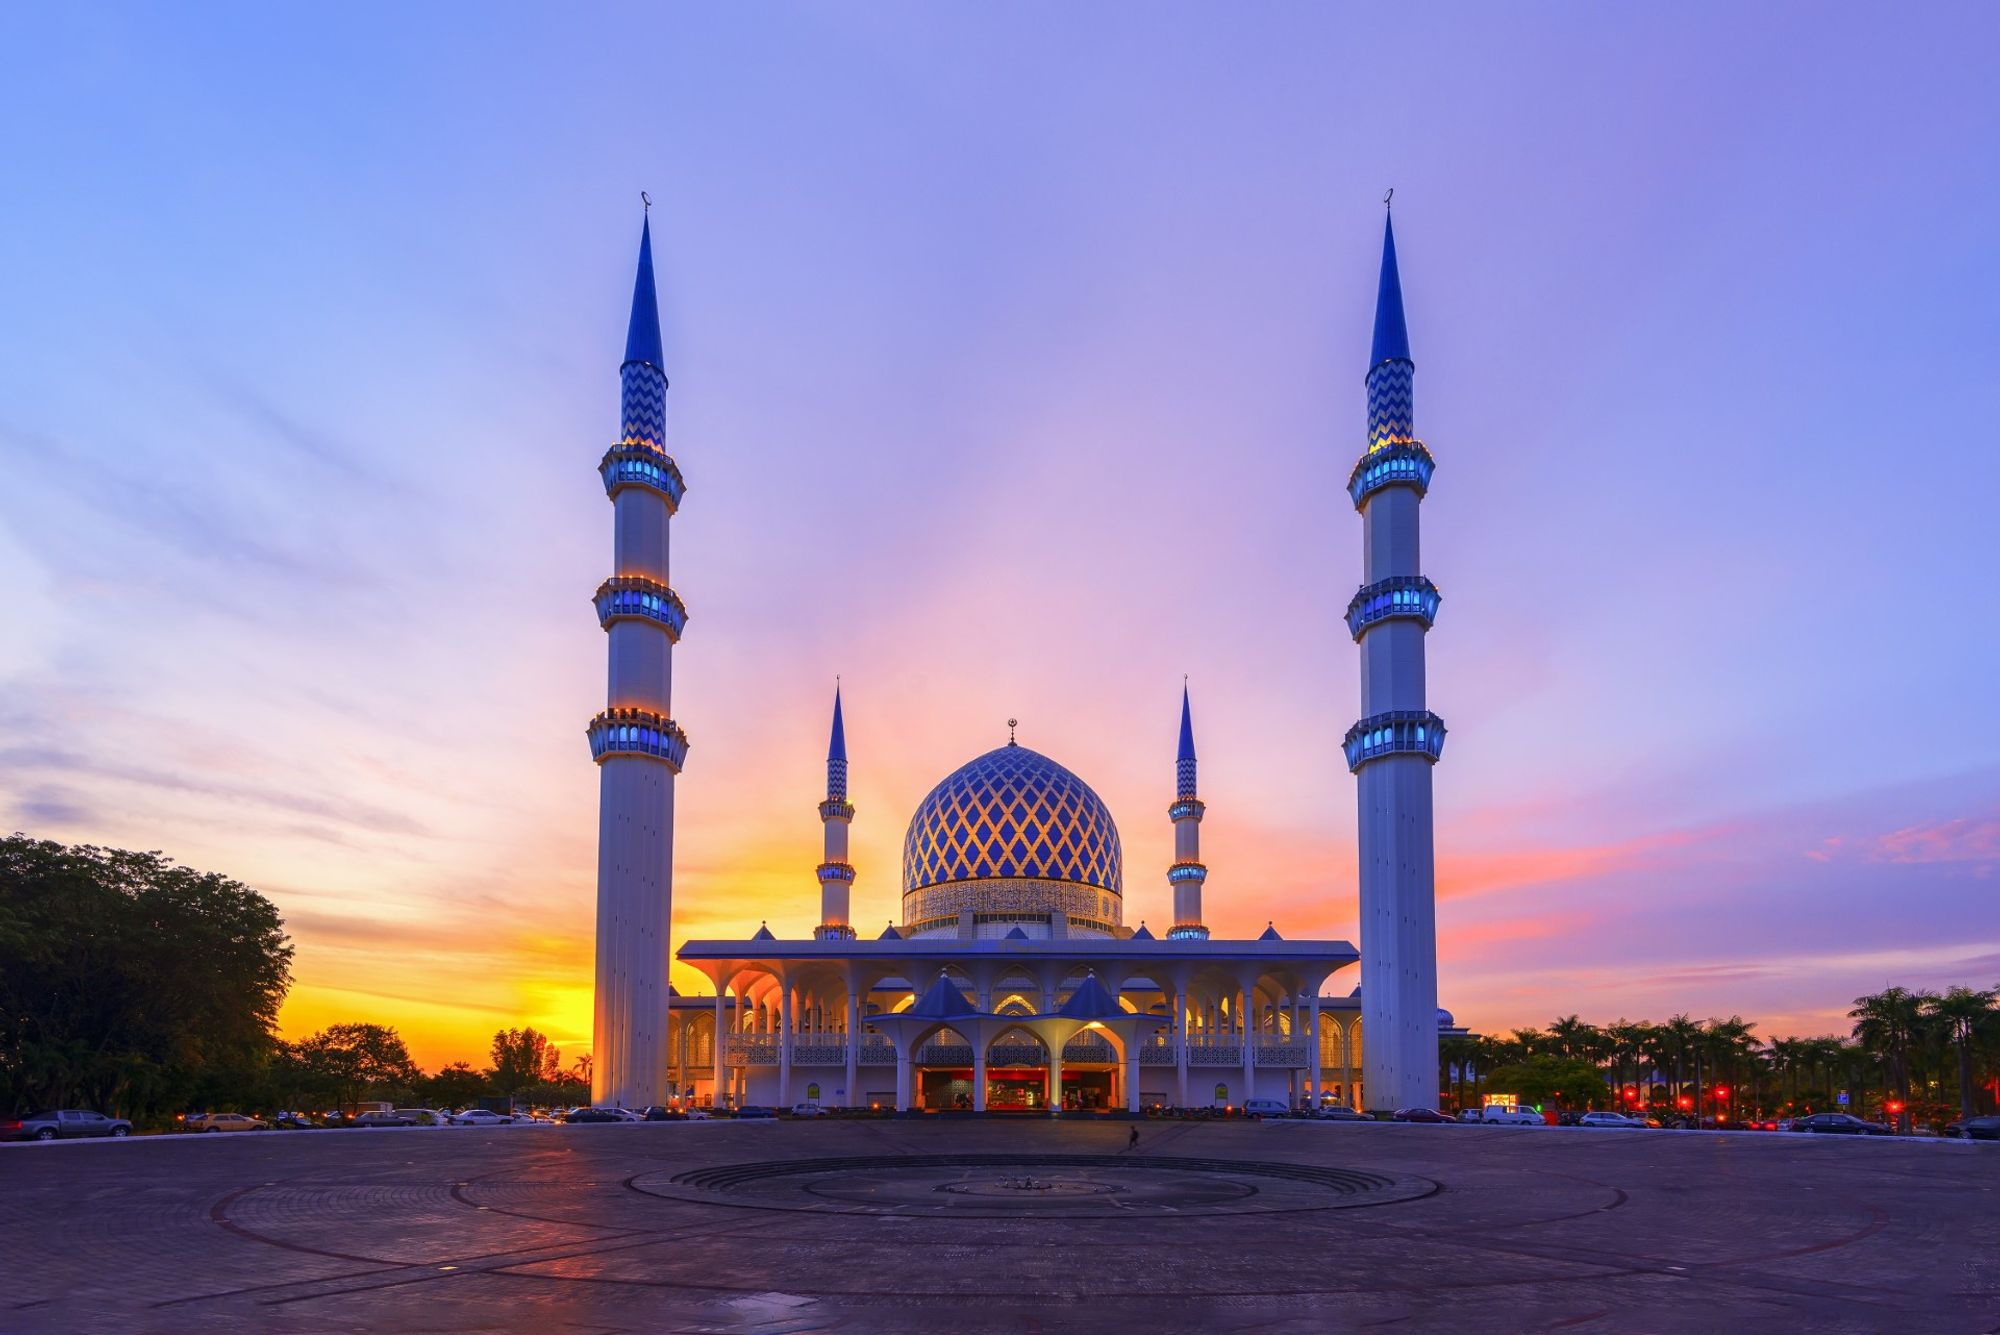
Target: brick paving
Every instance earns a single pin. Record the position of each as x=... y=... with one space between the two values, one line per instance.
x=617 y=1228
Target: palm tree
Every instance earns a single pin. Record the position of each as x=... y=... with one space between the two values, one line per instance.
x=1888 y=1025
x=1680 y=1037
x=1961 y=1013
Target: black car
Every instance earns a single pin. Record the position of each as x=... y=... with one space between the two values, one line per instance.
x=754 y=1113
x=661 y=1113
x=1975 y=1128
x=579 y=1115
x=292 y=1121
x=1838 y=1124
x=63 y=1124
x=1427 y=1115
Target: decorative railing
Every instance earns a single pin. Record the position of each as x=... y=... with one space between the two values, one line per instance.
x=634 y=463
x=1187 y=808
x=1281 y=1054
x=835 y=871
x=819 y=1054
x=636 y=597
x=637 y=732
x=1397 y=732
x=945 y=1054
x=1202 y=1053
x=877 y=1054
x=836 y=808
x=1154 y=1054
x=1187 y=931
x=1410 y=596
x=828 y=931
x=1017 y=1054
x=1404 y=464
x=749 y=1050
x=1186 y=871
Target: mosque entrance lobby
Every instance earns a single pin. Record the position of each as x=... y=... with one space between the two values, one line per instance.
x=1020 y=1089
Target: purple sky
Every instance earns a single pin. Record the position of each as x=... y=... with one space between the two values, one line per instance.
x=1016 y=357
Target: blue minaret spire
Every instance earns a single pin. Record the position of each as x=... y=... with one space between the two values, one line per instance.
x=642 y=336
x=1397 y=739
x=836 y=813
x=1187 y=873
x=836 y=753
x=638 y=747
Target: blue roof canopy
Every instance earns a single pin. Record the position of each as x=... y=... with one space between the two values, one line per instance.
x=942 y=1001
x=1091 y=1001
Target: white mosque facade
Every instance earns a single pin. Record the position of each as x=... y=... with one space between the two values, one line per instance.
x=1012 y=980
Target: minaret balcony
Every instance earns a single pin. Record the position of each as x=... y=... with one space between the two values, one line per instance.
x=1182 y=872
x=833 y=931
x=834 y=871
x=1187 y=931
x=637 y=463
x=1400 y=596
x=1400 y=463
x=637 y=732
x=836 y=808
x=1397 y=732
x=635 y=597
x=1187 y=808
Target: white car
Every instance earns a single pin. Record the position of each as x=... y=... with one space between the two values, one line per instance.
x=1609 y=1119
x=1498 y=1114
x=807 y=1110
x=424 y=1116
x=1266 y=1108
x=481 y=1117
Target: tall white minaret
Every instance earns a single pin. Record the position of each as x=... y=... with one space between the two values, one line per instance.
x=1392 y=748
x=1187 y=874
x=836 y=813
x=637 y=745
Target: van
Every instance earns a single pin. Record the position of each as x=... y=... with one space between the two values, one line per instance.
x=1499 y=1114
x=1266 y=1108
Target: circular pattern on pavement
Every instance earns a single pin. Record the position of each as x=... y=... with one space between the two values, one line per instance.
x=1010 y=1186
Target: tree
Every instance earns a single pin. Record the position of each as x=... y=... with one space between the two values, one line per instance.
x=455 y=1086
x=1961 y=1013
x=1887 y=1024
x=523 y=1057
x=1546 y=1079
x=345 y=1061
x=130 y=984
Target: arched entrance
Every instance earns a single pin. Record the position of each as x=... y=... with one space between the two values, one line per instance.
x=1017 y=1065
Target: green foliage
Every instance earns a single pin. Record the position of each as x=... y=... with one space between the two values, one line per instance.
x=454 y=1086
x=523 y=1058
x=129 y=984
x=344 y=1063
x=1549 y=1080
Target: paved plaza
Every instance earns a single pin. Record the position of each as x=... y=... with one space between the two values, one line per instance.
x=973 y=1226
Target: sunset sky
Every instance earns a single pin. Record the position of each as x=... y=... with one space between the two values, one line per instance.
x=1016 y=358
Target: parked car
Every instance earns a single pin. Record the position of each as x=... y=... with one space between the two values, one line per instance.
x=63 y=1124
x=481 y=1117
x=225 y=1122
x=753 y=1113
x=1610 y=1119
x=424 y=1116
x=700 y=1115
x=1340 y=1112
x=660 y=1112
x=1259 y=1108
x=1975 y=1128
x=807 y=1110
x=293 y=1121
x=1838 y=1124
x=1427 y=1115
x=1499 y=1114
x=379 y=1118
x=585 y=1115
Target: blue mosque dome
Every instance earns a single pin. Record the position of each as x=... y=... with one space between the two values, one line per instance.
x=1014 y=837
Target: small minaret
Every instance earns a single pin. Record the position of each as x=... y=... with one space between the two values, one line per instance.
x=836 y=874
x=637 y=745
x=1187 y=873
x=1392 y=747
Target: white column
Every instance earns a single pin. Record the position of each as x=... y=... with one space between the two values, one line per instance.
x=1132 y=1071
x=1249 y=1043
x=1183 y=1017
x=721 y=1038
x=785 y=1044
x=1312 y=1050
x=902 y=1078
x=977 y=1033
x=854 y=1048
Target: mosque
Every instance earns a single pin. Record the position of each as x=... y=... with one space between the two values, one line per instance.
x=1012 y=980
